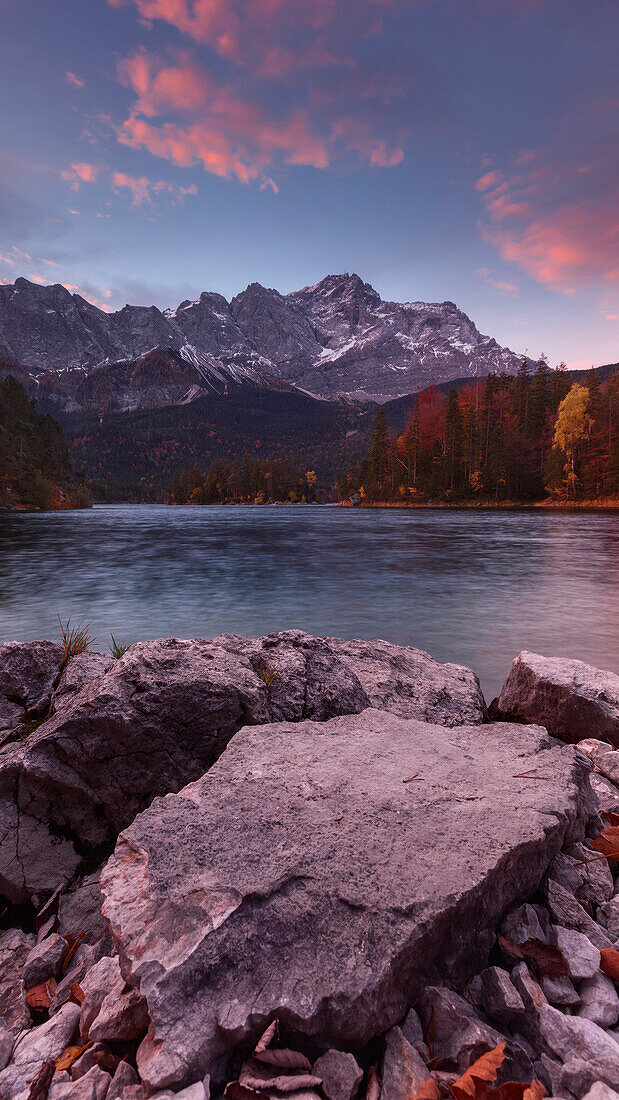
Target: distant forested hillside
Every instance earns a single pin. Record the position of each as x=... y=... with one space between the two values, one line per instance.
x=35 y=463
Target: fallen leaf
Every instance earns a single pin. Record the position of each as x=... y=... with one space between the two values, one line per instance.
x=516 y=1090
x=73 y=946
x=285 y=1059
x=40 y=1086
x=256 y=1076
x=612 y=818
x=546 y=958
x=610 y=962
x=70 y=1055
x=40 y=996
x=77 y=994
x=484 y=1069
x=372 y=1091
x=267 y=1038
x=608 y=842
x=428 y=1091
x=236 y=1091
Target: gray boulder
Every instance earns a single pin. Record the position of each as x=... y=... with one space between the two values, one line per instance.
x=161 y=715
x=15 y=946
x=572 y=700
x=28 y=672
x=340 y=1074
x=301 y=877
x=403 y=1070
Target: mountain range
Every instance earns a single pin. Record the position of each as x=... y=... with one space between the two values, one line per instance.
x=337 y=339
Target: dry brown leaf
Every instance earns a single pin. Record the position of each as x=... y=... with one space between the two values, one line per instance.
x=372 y=1091
x=40 y=1086
x=546 y=958
x=516 y=1090
x=267 y=1038
x=610 y=962
x=70 y=1055
x=256 y=1076
x=428 y=1091
x=236 y=1091
x=535 y=1090
x=612 y=818
x=483 y=1070
x=608 y=842
x=285 y=1059
x=77 y=994
x=73 y=943
x=40 y=996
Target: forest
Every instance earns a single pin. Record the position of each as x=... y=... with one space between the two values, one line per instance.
x=503 y=439
x=35 y=464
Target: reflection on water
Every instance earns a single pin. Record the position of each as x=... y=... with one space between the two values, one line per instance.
x=472 y=587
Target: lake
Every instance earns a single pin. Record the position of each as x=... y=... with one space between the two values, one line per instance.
x=474 y=587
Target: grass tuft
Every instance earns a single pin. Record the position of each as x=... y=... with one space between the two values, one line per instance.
x=117 y=648
x=76 y=639
x=266 y=674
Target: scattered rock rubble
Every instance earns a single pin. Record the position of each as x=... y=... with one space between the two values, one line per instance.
x=405 y=892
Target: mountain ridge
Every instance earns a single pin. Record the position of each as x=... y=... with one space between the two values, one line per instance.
x=335 y=338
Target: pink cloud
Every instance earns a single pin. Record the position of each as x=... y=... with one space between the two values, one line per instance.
x=73 y=80
x=80 y=173
x=142 y=188
x=554 y=221
x=502 y=285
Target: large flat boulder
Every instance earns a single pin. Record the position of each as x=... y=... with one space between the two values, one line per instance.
x=572 y=700
x=124 y=731
x=324 y=873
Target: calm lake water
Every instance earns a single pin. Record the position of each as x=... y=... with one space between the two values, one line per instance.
x=472 y=587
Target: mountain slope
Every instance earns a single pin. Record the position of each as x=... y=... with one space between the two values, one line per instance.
x=336 y=338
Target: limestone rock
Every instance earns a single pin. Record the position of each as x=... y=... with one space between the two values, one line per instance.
x=28 y=671
x=583 y=959
x=588 y=1052
x=560 y=991
x=591 y=883
x=6 y=1044
x=572 y=700
x=606 y=793
x=600 y=1091
x=320 y=897
x=45 y=960
x=527 y=922
x=15 y=946
x=94 y=1085
x=460 y=1035
x=500 y=999
x=569 y=913
x=79 y=910
x=161 y=715
x=340 y=1074
x=49 y=1039
x=600 y=1002
x=403 y=1071
x=124 y=1077
x=608 y=916
x=413 y=1033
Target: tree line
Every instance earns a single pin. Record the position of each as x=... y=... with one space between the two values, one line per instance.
x=245 y=481
x=501 y=438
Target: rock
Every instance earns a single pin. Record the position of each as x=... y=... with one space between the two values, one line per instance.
x=84 y=959
x=460 y=1036
x=594 y=749
x=549 y=1071
x=608 y=916
x=79 y=671
x=444 y=1081
x=413 y=1033
x=79 y=910
x=606 y=794
x=45 y=960
x=340 y=1074
x=94 y=1085
x=403 y=1071
x=583 y=959
x=609 y=766
x=124 y=1077
x=527 y=922
x=28 y=671
x=15 y=946
x=590 y=882
x=65 y=790
x=600 y=1091
x=560 y=991
x=110 y=1011
x=6 y=1044
x=99 y=1054
x=500 y=1000
x=223 y=919
x=588 y=1052
x=15 y=1080
x=572 y=700
x=600 y=1002
x=569 y=913
x=49 y=1039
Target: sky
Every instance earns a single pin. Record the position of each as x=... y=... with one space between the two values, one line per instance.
x=461 y=150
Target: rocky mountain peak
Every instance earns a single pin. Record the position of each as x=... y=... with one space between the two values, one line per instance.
x=338 y=337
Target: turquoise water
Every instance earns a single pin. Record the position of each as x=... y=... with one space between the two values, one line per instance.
x=473 y=587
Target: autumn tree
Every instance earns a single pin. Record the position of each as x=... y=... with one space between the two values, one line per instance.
x=571 y=427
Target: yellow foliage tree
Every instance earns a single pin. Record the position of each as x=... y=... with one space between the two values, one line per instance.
x=572 y=426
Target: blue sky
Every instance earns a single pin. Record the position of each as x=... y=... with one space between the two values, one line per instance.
x=442 y=149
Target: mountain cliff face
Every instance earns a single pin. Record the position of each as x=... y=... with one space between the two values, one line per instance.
x=336 y=338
